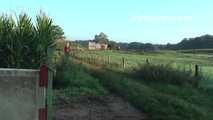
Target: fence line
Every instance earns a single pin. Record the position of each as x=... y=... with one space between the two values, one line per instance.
x=106 y=61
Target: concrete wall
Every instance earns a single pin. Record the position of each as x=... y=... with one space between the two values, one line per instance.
x=20 y=96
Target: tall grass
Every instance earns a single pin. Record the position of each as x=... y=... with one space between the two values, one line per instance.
x=24 y=44
x=162 y=100
x=73 y=81
x=166 y=74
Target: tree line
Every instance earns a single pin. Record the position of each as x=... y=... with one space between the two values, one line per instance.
x=202 y=42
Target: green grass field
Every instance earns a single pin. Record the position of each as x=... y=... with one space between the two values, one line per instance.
x=183 y=61
x=163 y=93
x=161 y=57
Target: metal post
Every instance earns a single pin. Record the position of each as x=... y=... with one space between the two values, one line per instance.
x=49 y=95
x=49 y=85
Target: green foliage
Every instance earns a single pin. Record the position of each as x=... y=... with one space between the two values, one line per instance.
x=202 y=42
x=23 y=44
x=137 y=46
x=163 y=92
x=177 y=60
x=101 y=38
x=166 y=74
x=160 y=101
x=7 y=43
x=197 y=51
x=112 y=45
x=75 y=78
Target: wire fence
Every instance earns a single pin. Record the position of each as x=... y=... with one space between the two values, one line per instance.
x=125 y=63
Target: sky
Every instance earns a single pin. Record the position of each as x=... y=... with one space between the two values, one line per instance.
x=147 y=21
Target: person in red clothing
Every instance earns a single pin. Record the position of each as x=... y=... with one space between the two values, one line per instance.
x=67 y=48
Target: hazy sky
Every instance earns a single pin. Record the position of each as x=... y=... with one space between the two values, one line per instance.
x=155 y=21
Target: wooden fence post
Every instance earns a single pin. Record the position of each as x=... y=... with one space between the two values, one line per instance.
x=55 y=60
x=196 y=70
x=124 y=64
x=94 y=59
x=108 y=59
x=147 y=61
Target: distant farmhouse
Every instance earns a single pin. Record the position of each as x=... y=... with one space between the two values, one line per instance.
x=97 y=46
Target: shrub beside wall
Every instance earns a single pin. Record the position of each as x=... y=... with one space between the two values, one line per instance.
x=24 y=44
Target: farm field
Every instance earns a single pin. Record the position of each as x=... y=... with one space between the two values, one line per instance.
x=161 y=57
x=93 y=76
x=182 y=61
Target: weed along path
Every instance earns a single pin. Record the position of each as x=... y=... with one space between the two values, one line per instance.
x=104 y=107
x=108 y=108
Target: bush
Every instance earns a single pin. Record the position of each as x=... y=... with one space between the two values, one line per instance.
x=165 y=74
x=24 y=44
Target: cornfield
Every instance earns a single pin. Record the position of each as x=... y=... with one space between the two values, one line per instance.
x=24 y=44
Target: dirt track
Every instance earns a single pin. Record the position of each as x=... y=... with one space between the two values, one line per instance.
x=111 y=108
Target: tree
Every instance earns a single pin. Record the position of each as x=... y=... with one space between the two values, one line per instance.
x=101 y=38
x=202 y=42
x=113 y=45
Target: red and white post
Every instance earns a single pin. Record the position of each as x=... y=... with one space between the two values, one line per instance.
x=43 y=83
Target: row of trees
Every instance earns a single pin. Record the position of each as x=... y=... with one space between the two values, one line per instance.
x=137 y=46
x=24 y=44
x=202 y=42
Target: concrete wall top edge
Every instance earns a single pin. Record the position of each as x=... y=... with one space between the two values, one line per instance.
x=23 y=70
x=18 y=72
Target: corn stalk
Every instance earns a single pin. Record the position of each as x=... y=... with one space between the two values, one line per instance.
x=23 y=44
